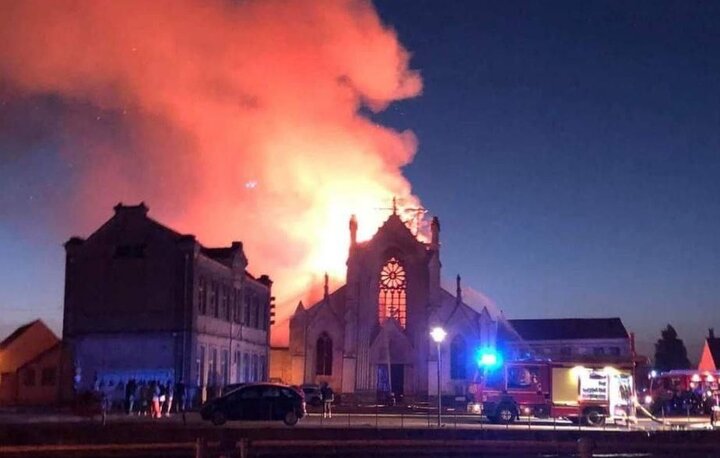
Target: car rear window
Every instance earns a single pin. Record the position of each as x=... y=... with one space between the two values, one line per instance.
x=288 y=393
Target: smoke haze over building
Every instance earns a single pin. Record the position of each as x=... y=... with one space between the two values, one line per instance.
x=232 y=120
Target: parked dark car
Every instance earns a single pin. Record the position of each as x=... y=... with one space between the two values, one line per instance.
x=258 y=401
x=313 y=395
x=232 y=387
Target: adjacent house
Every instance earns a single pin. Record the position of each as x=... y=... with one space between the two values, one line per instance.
x=580 y=340
x=30 y=365
x=710 y=356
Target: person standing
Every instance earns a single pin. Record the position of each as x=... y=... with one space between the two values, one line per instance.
x=169 y=394
x=181 y=393
x=130 y=390
x=328 y=396
x=155 y=393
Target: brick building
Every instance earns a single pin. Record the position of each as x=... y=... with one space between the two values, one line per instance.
x=143 y=301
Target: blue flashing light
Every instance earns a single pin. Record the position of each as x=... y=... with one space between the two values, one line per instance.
x=488 y=358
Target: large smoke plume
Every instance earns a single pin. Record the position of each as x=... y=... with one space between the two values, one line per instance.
x=231 y=119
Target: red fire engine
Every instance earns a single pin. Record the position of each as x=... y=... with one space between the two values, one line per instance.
x=544 y=389
x=682 y=392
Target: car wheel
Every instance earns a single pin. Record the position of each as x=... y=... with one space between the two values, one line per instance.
x=291 y=418
x=594 y=417
x=505 y=414
x=218 y=418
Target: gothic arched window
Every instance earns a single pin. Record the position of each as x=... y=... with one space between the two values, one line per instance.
x=458 y=358
x=392 y=302
x=324 y=355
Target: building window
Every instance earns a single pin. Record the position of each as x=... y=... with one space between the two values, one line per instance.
x=262 y=320
x=238 y=368
x=566 y=351
x=246 y=365
x=393 y=292
x=458 y=358
x=202 y=296
x=263 y=368
x=222 y=309
x=237 y=305
x=248 y=301
x=259 y=313
x=200 y=367
x=212 y=367
x=47 y=376
x=29 y=377
x=214 y=299
x=253 y=312
x=323 y=355
x=224 y=367
x=598 y=351
x=614 y=351
x=136 y=251
x=255 y=368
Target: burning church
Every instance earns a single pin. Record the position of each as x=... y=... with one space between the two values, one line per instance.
x=371 y=335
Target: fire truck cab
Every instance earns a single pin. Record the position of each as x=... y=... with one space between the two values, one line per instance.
x=544 y=389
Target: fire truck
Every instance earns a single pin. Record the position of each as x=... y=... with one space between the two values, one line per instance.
x=543 y=389
x=682 y=392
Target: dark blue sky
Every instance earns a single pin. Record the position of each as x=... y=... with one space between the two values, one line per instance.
x=572 y=152
x=570 y=149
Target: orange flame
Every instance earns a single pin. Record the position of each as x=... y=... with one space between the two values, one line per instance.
x=233 y=120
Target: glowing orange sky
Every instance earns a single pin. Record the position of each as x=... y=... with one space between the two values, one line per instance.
x=240 y=120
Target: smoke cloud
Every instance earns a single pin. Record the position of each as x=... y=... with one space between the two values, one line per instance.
x=230 y=119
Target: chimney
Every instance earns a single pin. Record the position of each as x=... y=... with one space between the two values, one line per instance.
x=140 y=208
x=326 y=288
x=353 y=230
x=711 y=333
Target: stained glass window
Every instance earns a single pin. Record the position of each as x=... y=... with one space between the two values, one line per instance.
x=392 y=301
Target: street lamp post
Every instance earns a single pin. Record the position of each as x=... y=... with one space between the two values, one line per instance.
x=438 y=335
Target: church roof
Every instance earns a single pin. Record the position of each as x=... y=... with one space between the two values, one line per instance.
x=570 y=328
x=336 y=301
x=472 y=298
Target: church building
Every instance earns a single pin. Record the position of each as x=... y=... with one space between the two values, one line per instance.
x=371 y=336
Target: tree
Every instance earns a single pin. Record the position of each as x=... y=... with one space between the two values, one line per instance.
x=670 y=352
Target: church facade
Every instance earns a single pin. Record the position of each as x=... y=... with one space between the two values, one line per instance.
x=371 y=336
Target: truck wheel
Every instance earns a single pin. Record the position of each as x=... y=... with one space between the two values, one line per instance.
x=505 y=414
x=218 y=419
x=594 y=417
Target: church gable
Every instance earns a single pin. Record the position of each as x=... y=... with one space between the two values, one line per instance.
x=456 y=315
x=394 y=233
x=328 y=309
x=391 y=342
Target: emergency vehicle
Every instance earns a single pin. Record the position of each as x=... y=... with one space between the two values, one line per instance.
x=682 y=392
x=543 y=389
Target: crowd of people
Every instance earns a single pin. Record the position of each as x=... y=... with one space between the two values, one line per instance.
x=151 y=398
x=154 y=398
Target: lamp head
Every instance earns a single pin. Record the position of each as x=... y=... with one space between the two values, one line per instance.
x=438 y=334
